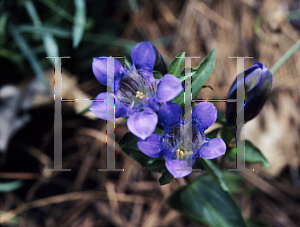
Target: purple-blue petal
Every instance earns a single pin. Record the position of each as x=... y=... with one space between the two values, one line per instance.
x=142 y=124
x=99 y=67
x=152 y=103
x=213 y=149
x=99 y=107
x=151 y=146
x=168 y=88
x=204 y=115
x=180 y=168
x=148 y=75
x=143 y=56
x=169 y=114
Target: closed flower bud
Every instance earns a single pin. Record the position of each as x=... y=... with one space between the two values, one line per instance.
x=258 y=83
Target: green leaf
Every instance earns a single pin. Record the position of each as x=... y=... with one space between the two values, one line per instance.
x=234 y=182
x=3 y=22
x=10 y=186
x=128 y=143
x=215 y=172
x=50 y=46
x=228 y=133
x=198 y=164
x=221 y=118
x=165 y=178
x=59 y=11
x=79 y=22
x=158 y=166
x=199 y=77
x=157 y=75
x=207 y=203
x=159 y=131
x=56 y=31
x=127 y=63
x=133 y=5
x=203 y=72
x=129 y=140
x=252 y=154
x=176 y=65
x=28 y=54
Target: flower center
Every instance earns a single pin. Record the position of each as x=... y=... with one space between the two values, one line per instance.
x=140 y=95
x=181 y=154
x=134 y=88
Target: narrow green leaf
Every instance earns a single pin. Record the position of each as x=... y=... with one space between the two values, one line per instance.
x=203 y=72
x=207 y=203
x=79 y=22
x=29 y=55
x=10 y=186
x=127 y=63
x=31 y=10
x=252 y=154
x=165 y=178
x=85 y=110
x=57 y=31
x=199 y=77
x=176 y=65
x=107 y=39
x=133 y=5
x=215 y=172
x=58 y=10
x=3 y=20
x=50 y=45
x=157 y=75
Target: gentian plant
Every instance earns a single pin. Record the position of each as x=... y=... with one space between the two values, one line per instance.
x=162 y=140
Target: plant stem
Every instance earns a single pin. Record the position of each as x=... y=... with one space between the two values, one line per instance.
x=285 y=57
x=84 y=110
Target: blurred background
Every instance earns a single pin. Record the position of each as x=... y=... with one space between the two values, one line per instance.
x=30 y=31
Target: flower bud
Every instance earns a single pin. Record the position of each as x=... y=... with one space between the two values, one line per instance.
x=159 y=64
x=258 y=82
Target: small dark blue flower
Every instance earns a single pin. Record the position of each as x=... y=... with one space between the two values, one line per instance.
x=183 y=141
x=138 y=94
x=258 y=83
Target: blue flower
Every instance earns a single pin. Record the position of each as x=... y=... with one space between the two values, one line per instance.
x=258 y=83
x=183 y=141
x=138 y=94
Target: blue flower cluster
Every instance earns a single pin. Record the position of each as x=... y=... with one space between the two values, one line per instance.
x=145 y=101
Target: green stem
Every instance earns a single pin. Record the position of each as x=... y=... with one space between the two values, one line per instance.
x=86 y=109
x=285 y=57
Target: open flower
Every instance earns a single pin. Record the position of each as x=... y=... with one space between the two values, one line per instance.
x=183 y=141
x=258 y=83
x=137 y=93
